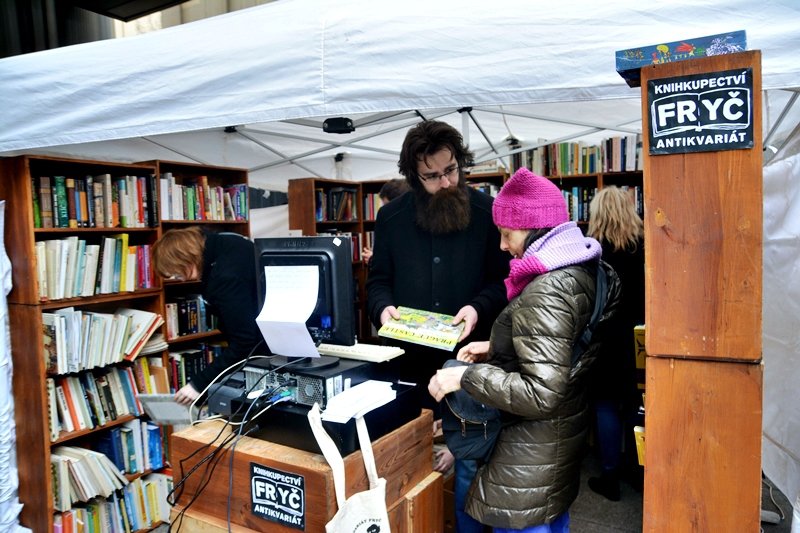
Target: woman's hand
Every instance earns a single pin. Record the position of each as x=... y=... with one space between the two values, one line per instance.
x=186 y=395
x=445 y=381
x=366 y=254
x=469 y=316
x=474 y=352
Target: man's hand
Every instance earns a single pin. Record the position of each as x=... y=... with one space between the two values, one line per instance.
x=443 y=460
x=474 y=352
x=186 y=395
x=470 y=317
x=445 y=381
x=389 y=311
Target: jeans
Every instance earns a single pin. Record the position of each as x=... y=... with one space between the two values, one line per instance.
x=609 y=434
x=465 y=470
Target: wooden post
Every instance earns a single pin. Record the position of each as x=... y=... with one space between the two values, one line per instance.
x=703 y=231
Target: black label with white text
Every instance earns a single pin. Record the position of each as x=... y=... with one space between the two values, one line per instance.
x=706 y=112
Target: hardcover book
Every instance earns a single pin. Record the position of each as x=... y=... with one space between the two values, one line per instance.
x=423 y=327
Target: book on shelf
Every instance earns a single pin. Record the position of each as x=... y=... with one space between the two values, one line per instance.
x=46 y=201
x=37 y=210
x=60 y=208
x=64 y=413
x=427 y=328
x=52 y=409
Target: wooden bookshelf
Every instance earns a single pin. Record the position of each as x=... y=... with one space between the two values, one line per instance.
x=192 y=176
x=18 y=176
x=579 y=190
x=306 y=197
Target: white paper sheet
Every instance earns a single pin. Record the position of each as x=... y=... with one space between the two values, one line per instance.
x=290 y=298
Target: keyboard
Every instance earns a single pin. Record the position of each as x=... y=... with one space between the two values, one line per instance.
x=362 y=352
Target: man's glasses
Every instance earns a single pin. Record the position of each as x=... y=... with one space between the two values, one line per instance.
x=447 y=174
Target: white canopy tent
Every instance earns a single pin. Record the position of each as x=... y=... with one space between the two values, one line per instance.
x=276 y=71
x=251 y=89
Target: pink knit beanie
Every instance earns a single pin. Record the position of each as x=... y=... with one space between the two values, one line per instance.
x=528 y=201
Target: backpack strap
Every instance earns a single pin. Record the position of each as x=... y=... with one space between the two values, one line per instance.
x=601 y=295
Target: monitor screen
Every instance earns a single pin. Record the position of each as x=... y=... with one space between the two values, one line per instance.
x=333 y=319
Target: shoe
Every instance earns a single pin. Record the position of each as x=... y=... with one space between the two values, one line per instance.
x=607 y=485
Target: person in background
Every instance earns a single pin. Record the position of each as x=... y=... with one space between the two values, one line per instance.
x=614 y=222
x=437 y=249
x=389 y=191
x=526 y=368
x=224 y=263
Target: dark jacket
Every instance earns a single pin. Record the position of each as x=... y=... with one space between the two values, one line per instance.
x=533 y=474
x=412 y=268
x=229 y=288
x=614 y=378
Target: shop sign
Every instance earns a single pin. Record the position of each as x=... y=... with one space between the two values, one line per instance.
x=278 y=496
x=707 y=112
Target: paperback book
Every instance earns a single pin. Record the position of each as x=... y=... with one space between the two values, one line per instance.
x=423 y=327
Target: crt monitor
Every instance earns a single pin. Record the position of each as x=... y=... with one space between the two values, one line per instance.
x=333 y=318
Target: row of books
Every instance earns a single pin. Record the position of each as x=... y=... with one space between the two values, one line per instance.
x=577 y=200
x=187 y=315
x=91 y=399
x=372 y=203
x=73 y=267
x=152 y=377
x=356 y=241
x=336 y=204
x=76 y=340
x=135 y=447
x=485 y=187
x=185 y=363
x=140 y=505
x=201 y=201
x=99 y=201
x=614 y=154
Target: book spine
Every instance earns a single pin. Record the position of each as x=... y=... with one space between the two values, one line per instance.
x=60 y=207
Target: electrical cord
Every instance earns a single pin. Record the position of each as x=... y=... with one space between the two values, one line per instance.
x=275 y=399
x=216 y=454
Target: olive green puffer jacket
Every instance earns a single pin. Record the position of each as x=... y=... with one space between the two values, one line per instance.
x=533 y=474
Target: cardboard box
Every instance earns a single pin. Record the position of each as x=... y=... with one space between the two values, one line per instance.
x=631 y=60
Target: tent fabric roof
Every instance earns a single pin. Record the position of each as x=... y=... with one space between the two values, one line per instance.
x=303 y=59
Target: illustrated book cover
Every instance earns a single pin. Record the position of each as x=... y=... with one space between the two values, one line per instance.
x=423 y=327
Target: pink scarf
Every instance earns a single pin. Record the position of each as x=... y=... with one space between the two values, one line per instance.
x=564 y=245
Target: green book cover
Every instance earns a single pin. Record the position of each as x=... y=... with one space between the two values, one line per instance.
x=423 y=327
x=60 y=201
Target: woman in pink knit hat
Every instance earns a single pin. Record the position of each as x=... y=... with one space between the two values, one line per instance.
x=530 y=368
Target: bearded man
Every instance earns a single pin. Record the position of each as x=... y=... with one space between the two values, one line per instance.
x=437 y=248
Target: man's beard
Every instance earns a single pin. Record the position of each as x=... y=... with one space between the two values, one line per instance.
x=445 y=211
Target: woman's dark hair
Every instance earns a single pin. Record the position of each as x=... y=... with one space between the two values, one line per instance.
x=427 y=138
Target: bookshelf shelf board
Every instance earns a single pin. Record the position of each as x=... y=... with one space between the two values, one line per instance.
x=194 y=336
x=203 y=222
x=78 y=231
x=72 y=435
x=101 y=298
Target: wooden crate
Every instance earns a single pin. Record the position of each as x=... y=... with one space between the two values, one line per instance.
x=403 y=457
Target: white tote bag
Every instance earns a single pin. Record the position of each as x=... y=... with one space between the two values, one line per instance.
x=363 y=512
